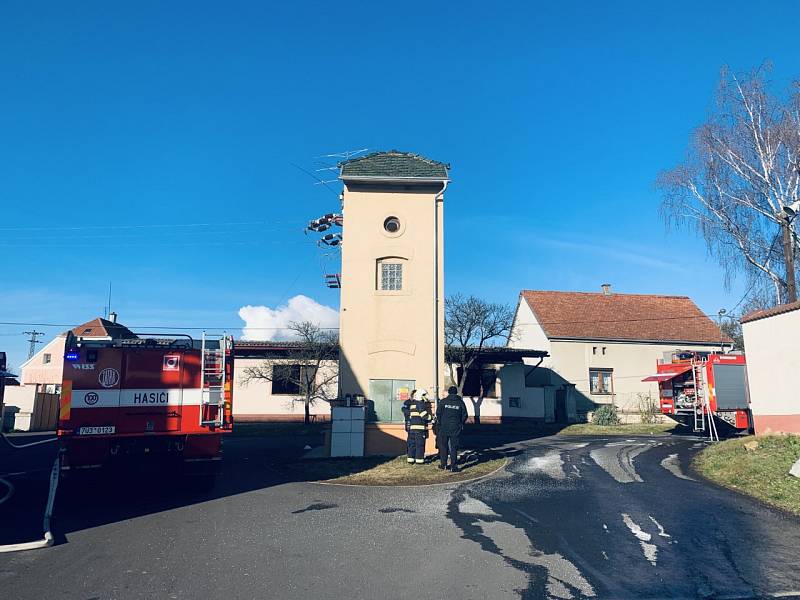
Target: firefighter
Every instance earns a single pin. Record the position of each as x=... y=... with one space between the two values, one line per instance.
x=417 y=416
x=451 y=414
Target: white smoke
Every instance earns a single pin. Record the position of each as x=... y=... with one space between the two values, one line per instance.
x=265 y=323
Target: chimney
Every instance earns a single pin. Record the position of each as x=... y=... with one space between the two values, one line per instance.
x=112 y=316
x=606 y=287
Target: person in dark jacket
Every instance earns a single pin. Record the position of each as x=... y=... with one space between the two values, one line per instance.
x=417 y=416
x=451 y=414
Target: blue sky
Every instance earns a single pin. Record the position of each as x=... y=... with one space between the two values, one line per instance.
x=126 y=127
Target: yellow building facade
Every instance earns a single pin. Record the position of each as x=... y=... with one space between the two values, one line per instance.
x=392 y=287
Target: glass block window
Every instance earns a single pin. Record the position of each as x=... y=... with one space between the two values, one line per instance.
x=391 y=276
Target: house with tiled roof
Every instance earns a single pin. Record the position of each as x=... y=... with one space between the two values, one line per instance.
x=601 y=345
x=35 y=401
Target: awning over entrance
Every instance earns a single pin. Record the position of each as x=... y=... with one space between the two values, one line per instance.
x=659 y=377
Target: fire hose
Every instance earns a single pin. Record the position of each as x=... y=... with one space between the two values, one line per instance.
x=47 y=540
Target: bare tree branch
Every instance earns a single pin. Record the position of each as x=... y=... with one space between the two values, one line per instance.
x=741 y=170
x=308 y=366
x=470 y=325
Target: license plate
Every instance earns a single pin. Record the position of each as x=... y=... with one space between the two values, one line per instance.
x=96 y=430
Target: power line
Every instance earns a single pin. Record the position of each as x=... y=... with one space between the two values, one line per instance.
x=241 y=326
x=165 y=243
x=170 y=327
x=145 y=226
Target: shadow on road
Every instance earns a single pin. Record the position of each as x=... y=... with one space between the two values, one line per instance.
x=92 y=498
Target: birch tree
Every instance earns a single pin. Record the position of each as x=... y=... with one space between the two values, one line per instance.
x=740 y=172
x=307 y=366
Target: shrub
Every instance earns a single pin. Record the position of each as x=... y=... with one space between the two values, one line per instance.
x=606 y=415
x=649 y=410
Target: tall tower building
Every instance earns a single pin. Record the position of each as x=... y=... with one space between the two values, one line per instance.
x=392 y=298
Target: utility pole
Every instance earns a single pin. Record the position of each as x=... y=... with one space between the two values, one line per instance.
x=33 y=341
x=788 y=257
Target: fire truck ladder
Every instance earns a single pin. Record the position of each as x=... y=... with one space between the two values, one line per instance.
x=699 y=407
x=702 y=403
x=212 y=383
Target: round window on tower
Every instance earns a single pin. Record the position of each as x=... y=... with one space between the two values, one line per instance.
x=392 y=224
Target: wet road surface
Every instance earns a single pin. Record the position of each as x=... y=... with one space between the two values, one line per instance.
x=568 y=518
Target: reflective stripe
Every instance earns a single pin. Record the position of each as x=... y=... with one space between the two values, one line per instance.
x=65 y=403
x=423 y=413
x=414 y=414
x=416 y=427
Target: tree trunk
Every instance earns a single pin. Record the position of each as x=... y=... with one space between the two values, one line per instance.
x=788 y=254
x=476 y=406
x=307 y=406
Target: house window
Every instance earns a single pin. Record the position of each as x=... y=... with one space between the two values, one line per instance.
x=390 y=275
x=292 y=380
x=480 y=383
x=514 y=402
x=46 y=358
x=600 y=381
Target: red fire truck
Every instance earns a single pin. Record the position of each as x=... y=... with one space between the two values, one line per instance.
x=693 y=386
x=169 y=397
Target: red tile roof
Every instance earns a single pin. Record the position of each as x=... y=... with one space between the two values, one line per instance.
x=99 y=328
x=597 y=316
x=771 y=312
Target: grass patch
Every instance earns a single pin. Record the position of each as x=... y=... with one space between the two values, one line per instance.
x=627 y=429
x=762 y=473
x=276 y=428
x=377 y=470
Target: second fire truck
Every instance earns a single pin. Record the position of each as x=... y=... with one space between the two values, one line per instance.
x=695 y=387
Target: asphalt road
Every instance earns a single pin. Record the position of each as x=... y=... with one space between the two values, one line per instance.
x=569 y=518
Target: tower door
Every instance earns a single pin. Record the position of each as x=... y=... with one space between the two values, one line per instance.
x=386 y=397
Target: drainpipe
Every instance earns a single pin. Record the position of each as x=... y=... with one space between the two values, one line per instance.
x=439 y=196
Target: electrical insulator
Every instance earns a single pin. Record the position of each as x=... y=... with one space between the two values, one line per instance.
x=331 y=239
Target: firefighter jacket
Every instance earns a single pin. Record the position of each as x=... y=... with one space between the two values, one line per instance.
x=451 y=414
x=417 y=415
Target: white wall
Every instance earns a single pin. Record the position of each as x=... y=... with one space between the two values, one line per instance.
x=35 y=370
x=773 y=371
x=631 y=362
x=527 y=333
x=20 y=400
x=510 y=384
x=256 y=400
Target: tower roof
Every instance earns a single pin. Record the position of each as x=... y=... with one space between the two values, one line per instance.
x=393 y=165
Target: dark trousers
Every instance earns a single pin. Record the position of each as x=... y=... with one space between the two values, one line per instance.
x=416 y=444
x=448 y=444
